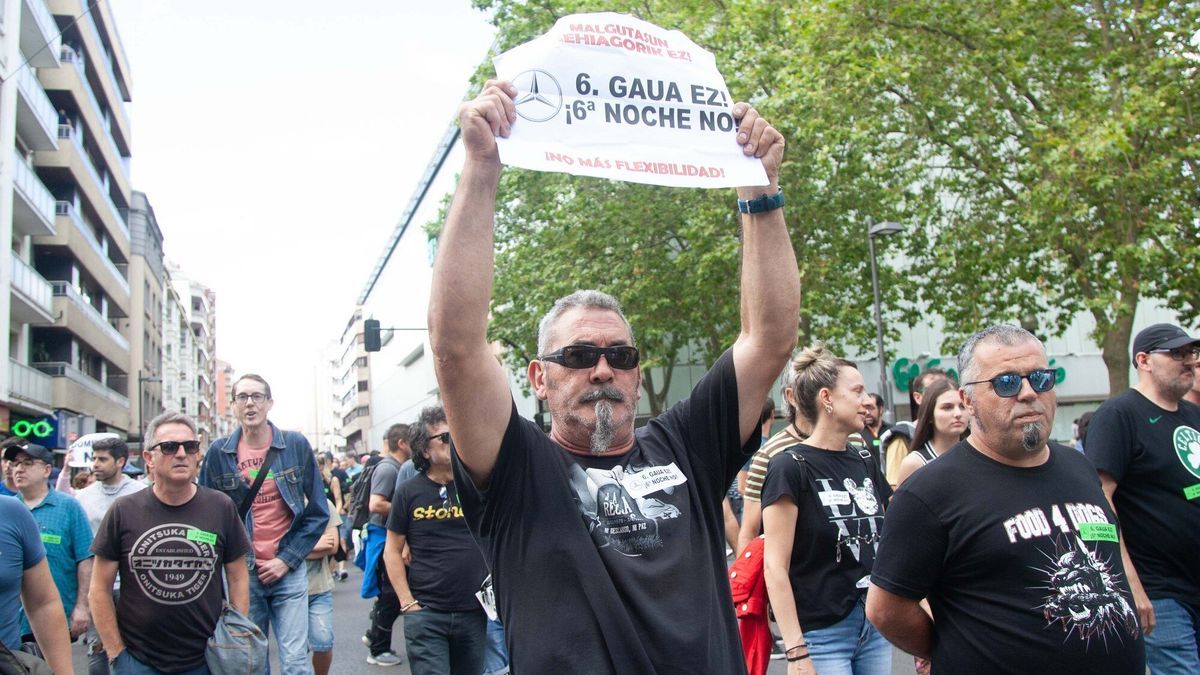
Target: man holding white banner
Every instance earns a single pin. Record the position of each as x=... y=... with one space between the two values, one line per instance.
x=606 y=544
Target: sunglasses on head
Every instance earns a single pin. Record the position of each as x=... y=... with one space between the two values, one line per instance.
x=623 y=357
x=1008 y=385
x=172 y=447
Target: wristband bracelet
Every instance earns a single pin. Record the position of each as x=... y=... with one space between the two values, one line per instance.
x=761 y=203
x=409 y=606
x=791 y=659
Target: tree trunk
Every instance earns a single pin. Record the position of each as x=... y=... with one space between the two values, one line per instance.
x=657 y=396
x=1114 y=343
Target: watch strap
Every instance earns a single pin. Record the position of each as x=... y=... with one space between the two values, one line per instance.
x=761 y=203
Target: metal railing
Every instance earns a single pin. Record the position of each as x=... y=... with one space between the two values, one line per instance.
x=32 y=189
x=67 y=131
x=107 y=65
x=66 y=290
x=45 y=22
x=64 y=369
x=80 y=64
x=26 y=280
x=31 y=88
x=65 y=208
x=30 y=384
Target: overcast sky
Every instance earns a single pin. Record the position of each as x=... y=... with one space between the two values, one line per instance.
x=278 y=143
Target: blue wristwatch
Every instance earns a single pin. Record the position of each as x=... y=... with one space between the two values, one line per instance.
x=761 y=203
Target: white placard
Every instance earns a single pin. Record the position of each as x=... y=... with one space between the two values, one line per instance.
x=81 y=449
x=613 y=96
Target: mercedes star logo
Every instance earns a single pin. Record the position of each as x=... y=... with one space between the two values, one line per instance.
x=539 y=96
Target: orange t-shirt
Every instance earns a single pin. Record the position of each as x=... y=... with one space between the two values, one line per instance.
x=271 y=514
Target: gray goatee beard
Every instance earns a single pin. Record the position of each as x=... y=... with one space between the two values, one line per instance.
x=1031 y=437
x=603 y=434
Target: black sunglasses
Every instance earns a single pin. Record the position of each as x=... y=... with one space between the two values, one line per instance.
x=172 y=447
x=1008 y=385
x=586 y=356
x=444 y=437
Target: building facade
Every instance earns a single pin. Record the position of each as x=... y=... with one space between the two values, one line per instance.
x=224 y=420
x=65 y=206
x=147 y=277
x=350 y=389
x=189 y=346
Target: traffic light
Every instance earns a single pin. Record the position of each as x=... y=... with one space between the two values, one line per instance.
x=371 y=338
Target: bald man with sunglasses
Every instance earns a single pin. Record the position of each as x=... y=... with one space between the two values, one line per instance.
x=606 y=543
x=1008 y=536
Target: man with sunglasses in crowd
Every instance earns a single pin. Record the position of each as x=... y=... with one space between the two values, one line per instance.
x=606 y=543
x=1145 y=442
x=169 y=545
x=445 y=628
x=286 y=518
x=1008 y=536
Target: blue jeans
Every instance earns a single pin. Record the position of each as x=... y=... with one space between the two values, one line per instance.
x=445 y=643
x=1172 y=646
x=495 y=654
x=284 y=604
x=851 y=646
x=320 y=621
x=127 y=664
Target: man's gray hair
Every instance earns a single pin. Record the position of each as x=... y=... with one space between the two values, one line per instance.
x=168 y=417
x=585 y=298
x=1002 y=334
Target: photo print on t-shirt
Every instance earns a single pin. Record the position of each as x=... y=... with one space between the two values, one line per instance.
x=618 y=509
x=1083 y=598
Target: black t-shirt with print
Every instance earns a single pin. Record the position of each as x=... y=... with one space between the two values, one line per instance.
x=1154 y=455
x=1021 y=566
x=617 y=564
x=447 y=566
x=840 y=498
x=170 y=560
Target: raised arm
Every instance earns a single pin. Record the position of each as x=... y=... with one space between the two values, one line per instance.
x=770 y=298
x=472 y=382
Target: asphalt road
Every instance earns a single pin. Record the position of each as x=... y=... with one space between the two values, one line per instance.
x=350 y=655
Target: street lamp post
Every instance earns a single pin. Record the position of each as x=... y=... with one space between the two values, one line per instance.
x=883 y=229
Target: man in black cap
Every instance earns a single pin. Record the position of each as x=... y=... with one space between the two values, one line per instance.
x=1145 y=444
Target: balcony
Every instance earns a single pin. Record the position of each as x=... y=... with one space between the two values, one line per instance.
x=105 y=68
x=72 y=77
x=73 y=157
x=66 y=210
x=33 y=205
x=84 y=320
x=30 y=385
x=31 y=294
x=39 y=34
x=75 y=390
x=37 y=121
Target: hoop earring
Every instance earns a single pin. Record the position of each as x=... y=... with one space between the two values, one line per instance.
x=829 y=409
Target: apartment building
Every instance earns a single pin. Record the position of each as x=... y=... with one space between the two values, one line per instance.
x=189 y=350
x=147 y=277
x=65 y=207
x=224 y=420
x=351 y=396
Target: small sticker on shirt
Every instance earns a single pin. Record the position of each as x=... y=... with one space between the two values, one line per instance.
x=51 y=539
x=834 y=498
x=1191 y=492
x=653 y=479
x=202 y=536
x=1097 y=532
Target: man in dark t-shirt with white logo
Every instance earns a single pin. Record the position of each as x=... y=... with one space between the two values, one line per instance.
x=170 y=545
x=1009 y=538
x=1145 y=443
x=445 y=628
x=606 y=544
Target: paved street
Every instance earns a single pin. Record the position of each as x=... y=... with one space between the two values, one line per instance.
x=350 y=621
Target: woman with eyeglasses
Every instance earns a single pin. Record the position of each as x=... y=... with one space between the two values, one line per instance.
x=823 y=503
x=941 y=423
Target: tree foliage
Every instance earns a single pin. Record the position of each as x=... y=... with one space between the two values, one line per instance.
x=1044 y=155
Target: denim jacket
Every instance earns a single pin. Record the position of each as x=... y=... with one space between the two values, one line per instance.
x=296 y=476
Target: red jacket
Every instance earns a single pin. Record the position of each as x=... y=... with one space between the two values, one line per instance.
x=748 y=584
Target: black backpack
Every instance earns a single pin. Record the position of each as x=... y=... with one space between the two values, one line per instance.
x=360 y=497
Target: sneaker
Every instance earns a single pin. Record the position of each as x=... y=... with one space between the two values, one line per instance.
x=777 y=651
x=366 y=639
x=385 y=659
x=343 y=575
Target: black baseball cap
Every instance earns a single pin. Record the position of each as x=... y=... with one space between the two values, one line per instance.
x=1161 y=336
x=32 y=449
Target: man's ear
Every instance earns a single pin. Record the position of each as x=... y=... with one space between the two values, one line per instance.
x=537 y=379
